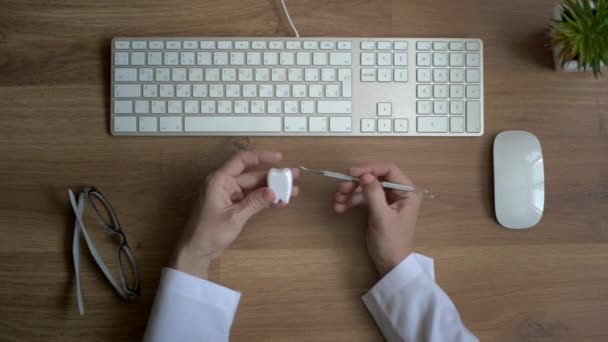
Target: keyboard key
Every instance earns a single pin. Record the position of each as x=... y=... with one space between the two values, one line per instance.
x=182 y=90
x=233 y=90
x=150 y=90
x=440 y=75
x=384 y=45
x=158 y=107
x=423 y=45
x=170 y=123
x=384 y=75
x=233 y=124
x=127 y=90
x=440 y=107
x=385 y=125
x=121 y=58
x=473 y=91
x=125 y=74
x=368 y=75
x=270 y=58
x=224 y=107
x=156 y=45
x=155 y=58
x=400 y=45
x=148 y=124
x=423 y=59
x=292 y=45
x=294 y=75
x=456 y=46
x=344 y=45
x=142 y=107
x=171 y=58
x=340 y=58
x=440 y=45
x=187 y=58
x=319 y=58
x=125 y=124
x=327 y=45
x=472 y=46
x=311 y=75
x=282 y=90
x=457 y=124
x=472 y=75
x=178 y=74
x=315 y=90
x=400 y=125
x=400 y=58
x=207 y=107
x=456 y=107
x=334 y=107
x=262 y=74
x=456 y=91
x=212 y=75
x=340 y=124
x=384 y=109
x=258 y=107
x=220 y=58
x=432 y=124
x=254 y=58
x=345 y=77
x=121 y=44
x=274 y=107
x=146 y=74
x=278 y=75
x=286 y=58
x=368 y=45
x=245 y=74
x=207 y=44
x=317 y=124
x=295 y=124
x=307 y=107
x=174 y=107
x=440 y=91
x=440 y=59
x=237 y=58
x=173 y=45
x=241 y=107
x=216 y=90
x=266 y=90
x=190 y=45
x=241 y=45
x=166 y=90
x=250 y=90
x=290 y=107
x=275 y=45
x=303 y=58
x=456 y=75
x=368 y=125
x=258 y=44
x=224 y=45
x=123 y=107
x=328 y=75
x=195 y=74
x=311 y=45
x=423 y=91
x=456 y=59
x=191 y=107
x=384 y=58
x=472 y=59
x=423 y=107
x=203 y=58
x=368 y=58
x=473 y=117
x=138 y=58
x=423 y=75
x=332 y=90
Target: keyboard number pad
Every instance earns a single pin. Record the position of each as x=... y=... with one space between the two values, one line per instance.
x=448 y=76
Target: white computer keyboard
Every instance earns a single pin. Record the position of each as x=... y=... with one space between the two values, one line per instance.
x=304 y=86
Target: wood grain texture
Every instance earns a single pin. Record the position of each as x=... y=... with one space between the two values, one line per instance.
x=303 y=269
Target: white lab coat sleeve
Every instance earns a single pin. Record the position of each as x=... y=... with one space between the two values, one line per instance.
x=188 y=308
x=408 y=305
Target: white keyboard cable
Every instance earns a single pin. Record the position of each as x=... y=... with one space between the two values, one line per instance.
x=293 y=27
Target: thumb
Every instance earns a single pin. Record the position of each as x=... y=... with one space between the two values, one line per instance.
x=373 y=193
x=253 y=203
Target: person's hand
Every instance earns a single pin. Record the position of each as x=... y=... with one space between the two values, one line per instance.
x=230 y=197
x=392 y=213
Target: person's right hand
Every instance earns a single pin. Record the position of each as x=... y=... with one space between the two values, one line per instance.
x=392 y=213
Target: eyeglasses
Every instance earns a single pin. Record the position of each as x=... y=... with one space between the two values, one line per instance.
x=101 y=206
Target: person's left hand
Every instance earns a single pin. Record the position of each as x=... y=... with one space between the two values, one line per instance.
x=231 y=196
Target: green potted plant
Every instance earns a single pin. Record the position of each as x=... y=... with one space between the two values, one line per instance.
x=579 y=35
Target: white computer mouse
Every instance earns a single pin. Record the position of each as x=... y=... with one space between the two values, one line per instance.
x=519 y=179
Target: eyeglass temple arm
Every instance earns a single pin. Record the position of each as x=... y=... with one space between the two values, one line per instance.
x=80 y=227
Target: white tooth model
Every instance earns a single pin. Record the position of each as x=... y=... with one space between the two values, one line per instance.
x=280 y=181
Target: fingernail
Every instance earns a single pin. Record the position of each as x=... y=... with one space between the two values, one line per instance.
x=367 y=179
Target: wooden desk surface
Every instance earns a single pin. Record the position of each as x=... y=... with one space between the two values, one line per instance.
x=301 y=270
